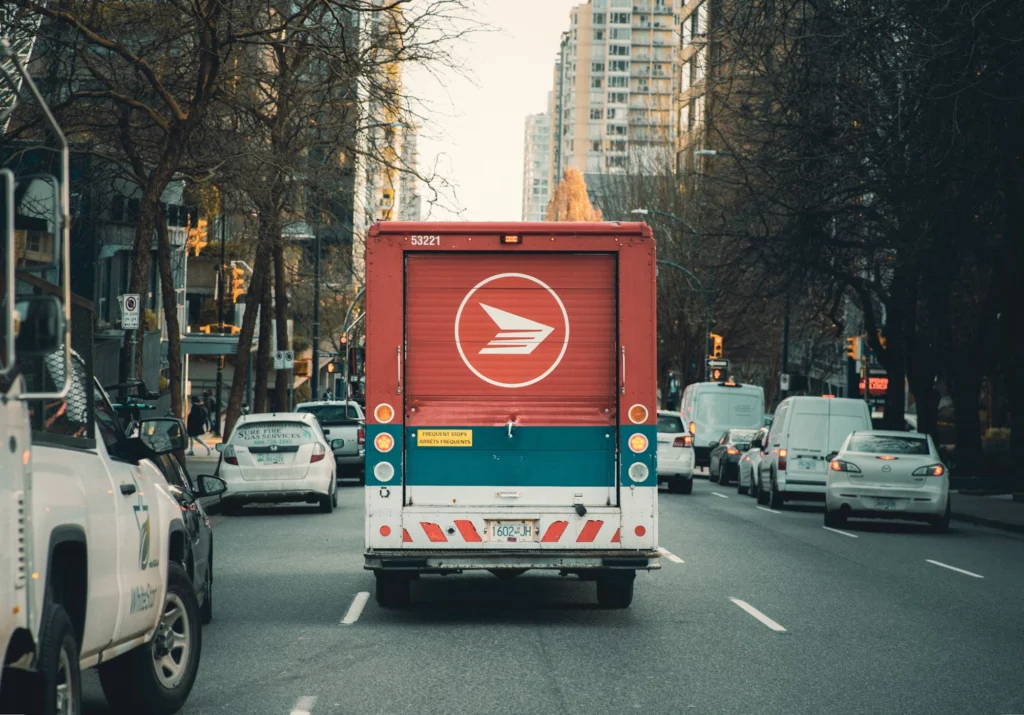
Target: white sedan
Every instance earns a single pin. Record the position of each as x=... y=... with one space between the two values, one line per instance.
x=675 y=453
x=887 y=475
x=281 y=457
x=749 y=480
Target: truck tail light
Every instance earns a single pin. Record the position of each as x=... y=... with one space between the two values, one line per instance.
x=684 y=441
x=319 y=452
x=782 y=458
x=361 y=436
x=229 y=455
x=693 y=428
x=637 y=443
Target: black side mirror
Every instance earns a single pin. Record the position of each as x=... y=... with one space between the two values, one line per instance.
x=40 y=325
x=210 y=486
x=163 y=435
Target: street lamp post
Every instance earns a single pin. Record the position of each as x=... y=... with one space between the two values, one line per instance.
x=689 y=274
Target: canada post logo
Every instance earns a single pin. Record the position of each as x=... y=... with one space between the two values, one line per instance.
x=512 y=330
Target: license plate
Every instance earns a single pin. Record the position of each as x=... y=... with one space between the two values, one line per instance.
x=886 y=503
x=806 y=464
x=511 y=532
x=270 y=459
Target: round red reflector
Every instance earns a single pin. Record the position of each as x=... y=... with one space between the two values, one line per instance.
x=384 y=442
x=384 y=413
x=385 y=530
x=640 y=531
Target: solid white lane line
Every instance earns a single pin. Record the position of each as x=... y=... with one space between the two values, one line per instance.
x=304 y=706
x=770 y=511
x=720 y=495
x=837 y=531
x=758 y=615
x=356 y=609
x=954 y=568
x=669 y=555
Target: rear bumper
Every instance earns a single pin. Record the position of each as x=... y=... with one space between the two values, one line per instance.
x=858 y=500
x=277 y=490
x=681 y=467
x=435 y=561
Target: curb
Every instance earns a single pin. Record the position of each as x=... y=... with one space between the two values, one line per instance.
x=993 y=523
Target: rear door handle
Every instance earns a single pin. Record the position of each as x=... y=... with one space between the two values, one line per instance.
x=127 y=489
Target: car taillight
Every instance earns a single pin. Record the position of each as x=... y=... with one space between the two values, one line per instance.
x=732 y=450
x=361 y=436
x=838 y=465
x=782 y=458
x=229 y=455
x=684 y=441
x=319 y=452
x=932 y=470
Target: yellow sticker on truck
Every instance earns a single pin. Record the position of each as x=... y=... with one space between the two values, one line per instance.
x=444 y=438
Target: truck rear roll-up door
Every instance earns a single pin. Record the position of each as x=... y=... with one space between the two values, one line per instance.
x=511 y=379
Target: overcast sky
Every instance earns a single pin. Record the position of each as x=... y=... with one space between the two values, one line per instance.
x=477 y=141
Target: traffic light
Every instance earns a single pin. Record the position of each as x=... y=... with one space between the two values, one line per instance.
x=716 y=350
x=853 y=347
x=237 y=281
x=330 y=367
x=716 y=374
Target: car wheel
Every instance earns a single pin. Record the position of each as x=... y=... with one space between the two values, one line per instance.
x=753 y=484
x=775 y=500
x=334 y=493
x=940 y=525
x=394 y=590
x=675 y=485
x=615 y=589
x=741 y=488
x=326 y=504
x=712 y=476
x=835 y=519
x=206 y=610
x=157 y=677
x=687 y=486
x=57 y=664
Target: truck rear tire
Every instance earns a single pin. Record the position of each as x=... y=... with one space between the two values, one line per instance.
x=58 y=664
x=394 y=590
x=615 y=589
x=157 y=677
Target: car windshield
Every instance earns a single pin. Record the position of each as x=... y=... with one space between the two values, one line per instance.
x=265 y=434
x=887 y=444
x=333 y=414
x=670 y=424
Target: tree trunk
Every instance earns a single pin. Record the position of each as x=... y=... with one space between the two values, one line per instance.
x=142 y=248
x=966 y=390
x=282 y=377
x=260 y=267
x=262 y=370
x=170 y=300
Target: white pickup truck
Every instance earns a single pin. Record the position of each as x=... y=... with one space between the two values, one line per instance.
x=95 y=564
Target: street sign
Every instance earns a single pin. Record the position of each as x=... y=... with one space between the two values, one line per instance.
x=130 y=311
x=784 y=382
x=284 y=360
x=718 y=363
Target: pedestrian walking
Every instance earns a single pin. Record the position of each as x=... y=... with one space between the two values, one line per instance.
x=213 y=405
x=198 y=419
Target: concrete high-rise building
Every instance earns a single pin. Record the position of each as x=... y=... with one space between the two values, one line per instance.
x=693 y=97
x=612 y=112
x=536 y=166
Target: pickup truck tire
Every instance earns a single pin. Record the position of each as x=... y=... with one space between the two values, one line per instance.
x=394 y=590
x=615 y=589
x=57 y=664
x=157 y=677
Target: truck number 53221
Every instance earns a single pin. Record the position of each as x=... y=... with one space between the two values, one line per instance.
x=426 y=240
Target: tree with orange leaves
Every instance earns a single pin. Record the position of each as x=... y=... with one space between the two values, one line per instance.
x=570 y=201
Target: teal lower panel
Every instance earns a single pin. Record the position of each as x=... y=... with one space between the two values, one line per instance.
x=471 y=467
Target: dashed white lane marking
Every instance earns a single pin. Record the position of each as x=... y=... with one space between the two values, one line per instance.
x=837 y=531
x=954 y=568
x=304 y=706
x=770 y=511
x=720 y=495
x=669 y=555
x=356 y=609
x=758 y=615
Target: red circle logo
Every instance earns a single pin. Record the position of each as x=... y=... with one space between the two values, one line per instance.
x=512 y=330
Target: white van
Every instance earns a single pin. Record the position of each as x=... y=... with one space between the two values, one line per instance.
x=805 y=431
x=710 y=409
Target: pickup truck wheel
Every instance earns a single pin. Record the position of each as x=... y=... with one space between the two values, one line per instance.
x=615 y=590
x=394 y=590
x=58 y=664
x=206 y=610
x=157 y=677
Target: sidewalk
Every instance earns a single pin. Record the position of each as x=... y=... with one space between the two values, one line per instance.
x=1000 y=511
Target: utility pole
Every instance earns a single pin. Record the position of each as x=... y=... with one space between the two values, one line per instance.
x=315 y=376
x=220 y=319
x=785 y=337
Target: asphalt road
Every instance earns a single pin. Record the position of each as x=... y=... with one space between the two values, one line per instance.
x=752 y=612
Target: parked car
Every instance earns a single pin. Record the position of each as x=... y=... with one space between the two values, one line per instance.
x=725 y=455
x=675 y=453
x=280 y=457
x=344 y=424
x=805 y=430
x=888 y=475
x=711 y=408
x=750 y=464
